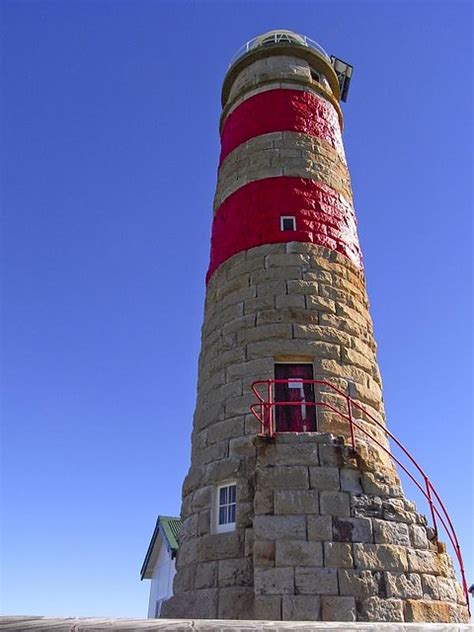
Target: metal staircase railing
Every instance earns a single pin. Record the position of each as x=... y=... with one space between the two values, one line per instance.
x=264 y=411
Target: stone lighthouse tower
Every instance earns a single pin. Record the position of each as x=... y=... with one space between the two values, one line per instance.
x=292 y=507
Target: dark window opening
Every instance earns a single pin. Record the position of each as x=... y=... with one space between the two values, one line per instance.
x=315 y=76
x=287 y=223
x=301 y=416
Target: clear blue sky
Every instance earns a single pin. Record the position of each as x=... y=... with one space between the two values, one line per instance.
x=110 y=126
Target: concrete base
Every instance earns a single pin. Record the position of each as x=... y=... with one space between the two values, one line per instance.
x=72 y=624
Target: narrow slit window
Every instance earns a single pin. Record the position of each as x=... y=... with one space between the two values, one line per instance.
x=226 y=507
x=287 y=222
x=315 y=76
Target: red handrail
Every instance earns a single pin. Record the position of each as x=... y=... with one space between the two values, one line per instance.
x=437 y=507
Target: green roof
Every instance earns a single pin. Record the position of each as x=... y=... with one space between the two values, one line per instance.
x=171 y=527
x=168 y=527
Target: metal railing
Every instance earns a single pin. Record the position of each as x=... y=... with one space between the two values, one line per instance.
x=264 y=410
x=281 y=37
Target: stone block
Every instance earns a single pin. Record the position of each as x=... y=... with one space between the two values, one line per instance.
x=324 y=478
x=334 y=503
x=447 y=589
x=298 y=553
x=267 y=607
x=218 y=546
x=184 y=580
x=338 y=609
x=254 y=367
x=264 y=553
x=458 y=613
x=336 y=456
x=418 y=536
x=206 y=575
x=248 y=542
x=377 y=609
x=338 y=555
x=265 y=332
x=237 y=572
x=319 y=528
x=403 y=585
x=274 y=581
x=188 y=529
x=379 y=484
x=236 y=603
x=225 y=430
x=301 y=608
x=314 y=581
x=291 y=300
x=430 y=586
x=350 y=481
x=423 y=562
x=284 y=477
x=242 y=446
x=296 y=502
x=221 y=470
x=263 y=501
x=380 y=557
x=245 y=514
x=188 y=553
x=205 y=605
x=388 y=532
x=361 y=584
x=319 y=303
x=288 y=453
x=421 y=611
x=352 y=529
x=280 y=527
x=204 y=522
x=367 y=506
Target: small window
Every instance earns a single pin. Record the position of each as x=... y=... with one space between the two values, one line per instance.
x=315 y=76
x=287 y=222
x=225 y=507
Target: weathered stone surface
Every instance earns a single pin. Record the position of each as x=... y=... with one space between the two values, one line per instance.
x=287 y=477
x=338 y=555
x=242 y=446
x=361 y=583
x=319 y=528
x=235 y=603
x=280 y=527
x=288 y=454
x=316 y=581
x=264 y=553
x=350 y=481
x=376 y=609
x=338 y=609
x=427 y=611
x=274 y=581
x=219 y=546
x=201 y=499
x=263 y=501
x=296 y=502
x=336 y=455
x=267 y=607
x=430 y=586
x=352 y=529
x=423 y=562
x=380 y=557
x=334 y=503
x=301 y=608
x=298 y=553
x=206 y=575
x=418 y=536
x=324 y=478
x=238 y=572
x=404 y=585
x=386 y=532
x=447 y=589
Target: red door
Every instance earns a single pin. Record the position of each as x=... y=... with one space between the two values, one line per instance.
x=295 y=418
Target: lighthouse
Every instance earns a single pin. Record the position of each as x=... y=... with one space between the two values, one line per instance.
x=293 y=507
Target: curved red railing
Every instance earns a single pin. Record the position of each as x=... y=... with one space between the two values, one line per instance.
x=437 y=508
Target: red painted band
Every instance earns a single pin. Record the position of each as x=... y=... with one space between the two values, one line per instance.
x=251 y=217
x=280 y=111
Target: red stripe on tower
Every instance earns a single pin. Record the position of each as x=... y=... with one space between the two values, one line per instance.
x=281 y=111
x=252 y=217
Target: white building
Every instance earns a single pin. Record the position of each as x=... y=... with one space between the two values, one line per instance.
x=159 y=563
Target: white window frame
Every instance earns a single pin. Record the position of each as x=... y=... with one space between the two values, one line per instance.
x=227 y=526
x=282 y=219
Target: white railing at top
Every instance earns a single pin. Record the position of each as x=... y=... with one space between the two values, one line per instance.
x=279 y=37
